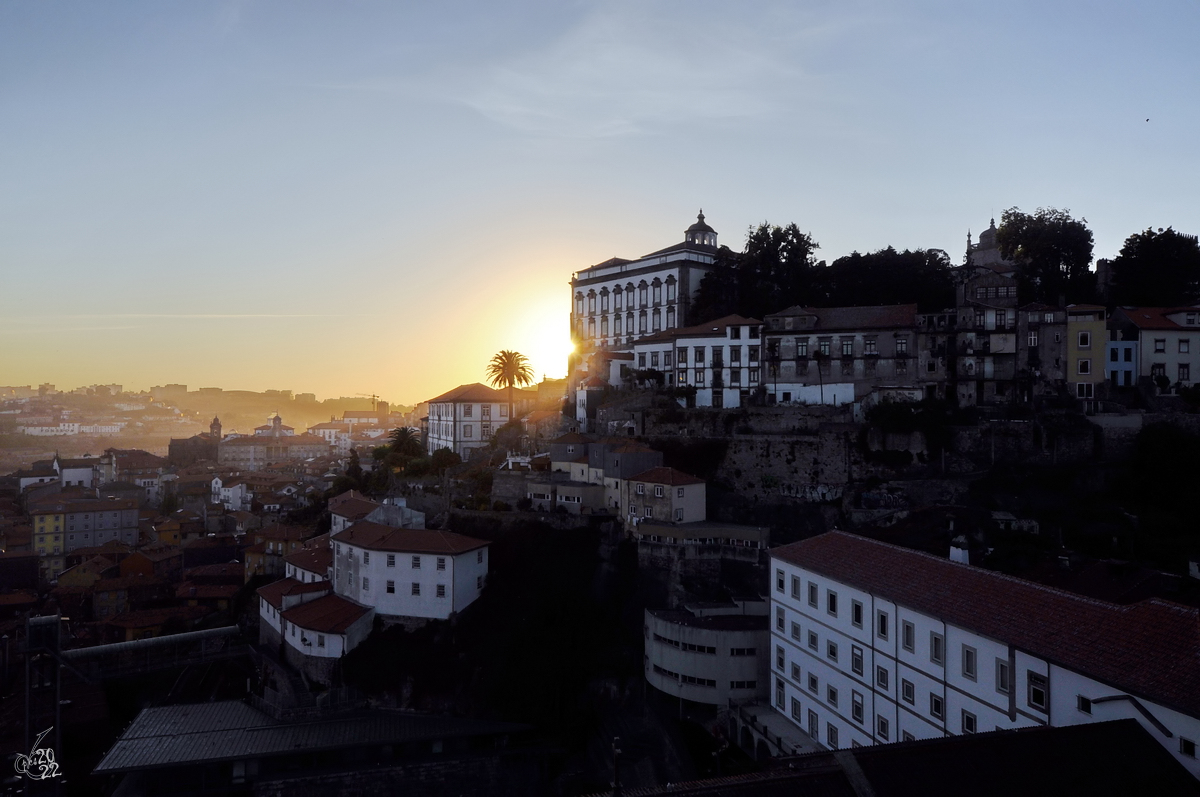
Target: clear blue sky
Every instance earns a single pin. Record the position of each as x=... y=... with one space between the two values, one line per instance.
x=376 y=196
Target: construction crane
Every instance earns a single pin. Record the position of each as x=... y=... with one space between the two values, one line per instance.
x=374 y=399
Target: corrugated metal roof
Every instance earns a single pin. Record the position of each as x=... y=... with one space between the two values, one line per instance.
x=230 y=730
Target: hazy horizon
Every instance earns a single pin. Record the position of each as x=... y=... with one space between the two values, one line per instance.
x=377 y=197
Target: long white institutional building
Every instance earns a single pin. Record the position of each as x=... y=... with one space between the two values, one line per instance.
x=872 y=643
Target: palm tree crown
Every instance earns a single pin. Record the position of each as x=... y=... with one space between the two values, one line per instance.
x=508 y=369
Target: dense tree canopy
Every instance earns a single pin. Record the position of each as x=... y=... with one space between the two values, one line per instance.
x=1053 y=253
x=1156 y=269
x=778 y=270
x=773 y=272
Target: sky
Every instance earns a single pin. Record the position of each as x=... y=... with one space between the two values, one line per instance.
x=375 y=197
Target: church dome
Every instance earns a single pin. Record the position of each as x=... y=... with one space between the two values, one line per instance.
x=701 y=233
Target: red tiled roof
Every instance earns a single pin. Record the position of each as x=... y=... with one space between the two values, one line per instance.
x=1154 y=317
x=189 y=589
x=376 y=537
x=314 y=560
x=474 y=393
x=125 y=582
x=832 y=319
x=1151 y=648
x=355 y=508
x=572 y=437
x=273 y=593
x=328 y=615
x=667 y=476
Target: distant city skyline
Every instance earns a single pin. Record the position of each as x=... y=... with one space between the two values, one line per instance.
x=378 y=197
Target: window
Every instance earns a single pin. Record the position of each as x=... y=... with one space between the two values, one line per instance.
x=831 y=695
x=1084 y=366
x=1085 y=340
x=795 y=672
x=366 y=557
x=779 y=693
x=779 y=615
x=1083 y=704
x=908 y=737
x=813 y=686
x=1187 y=747
x=856 y=614
x=883 y=727
x=1003 y=682
x=391 y=560
x=881 y=625
x=679 y=514
x=908 y=692
x=936 y=648
x=796 y=587
x=441 y=563
x=416 y=563
x=813 y=724
x=796 y=631
x=937 y=708
x=467 y=409
x=856 y=707
x=366 y=583
x=441 y=590
x=640 y=489
x=830 y=602
x=795 y=709
x=831 y=735
x=416 y=588
x=847 y=348
x=901 y=345
x=968 y=662
x=831 y=650
x=1112 y=355
x=908 y=636
x=801 y=348
x=869 y=346
x=320 y=640
x=1037 y=691
x=968 y=722
x=1185 y=372
x=391 y=588
x=812 y=640
x=856 y=660
x=779 y=581
x=1184 y=345
x=479 y=557
x=1160 y=344
x=812 y=594
x=881 y=677
x=1129 y=355
x=1033 y=340
x=824 y=348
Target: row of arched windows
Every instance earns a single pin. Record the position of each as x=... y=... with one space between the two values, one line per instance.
x=629 y=297
x=642 y=323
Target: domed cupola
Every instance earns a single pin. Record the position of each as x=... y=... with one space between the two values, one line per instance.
x=701 y=233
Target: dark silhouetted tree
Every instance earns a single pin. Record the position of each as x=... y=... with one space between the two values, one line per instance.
x=1053 y=252
x=919 y=276
x=776 y=269
x=1156 y=269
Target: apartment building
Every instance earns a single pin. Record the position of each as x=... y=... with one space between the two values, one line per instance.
x=463 y=419
x=873 y=643
x=720 y=359
x=835 y=355
x=1153 y=343
x=1086 y=349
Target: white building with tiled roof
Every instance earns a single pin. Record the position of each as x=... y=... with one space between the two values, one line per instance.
x=665 y=495
x=463 y=419
x=873 y=643
x=720 y=359
x=408 y=573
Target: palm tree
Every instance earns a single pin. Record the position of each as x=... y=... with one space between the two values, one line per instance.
x=508 y=369
x=405 y=440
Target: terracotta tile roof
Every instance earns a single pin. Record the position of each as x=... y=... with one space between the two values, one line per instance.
x=145 y=618
x=222 y=570
x=331 y=614
x=376 y=537
x=189 y=589
x=1154 y=317
x=274 y=592
x=1151 y=648
x=126 y=582
x=572 y=437
x=355 y=508
x=669 y=476
x=473 y=393
x=833 y=319
x=314 y=560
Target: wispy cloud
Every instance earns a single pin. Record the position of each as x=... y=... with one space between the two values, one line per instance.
x=180 y=316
